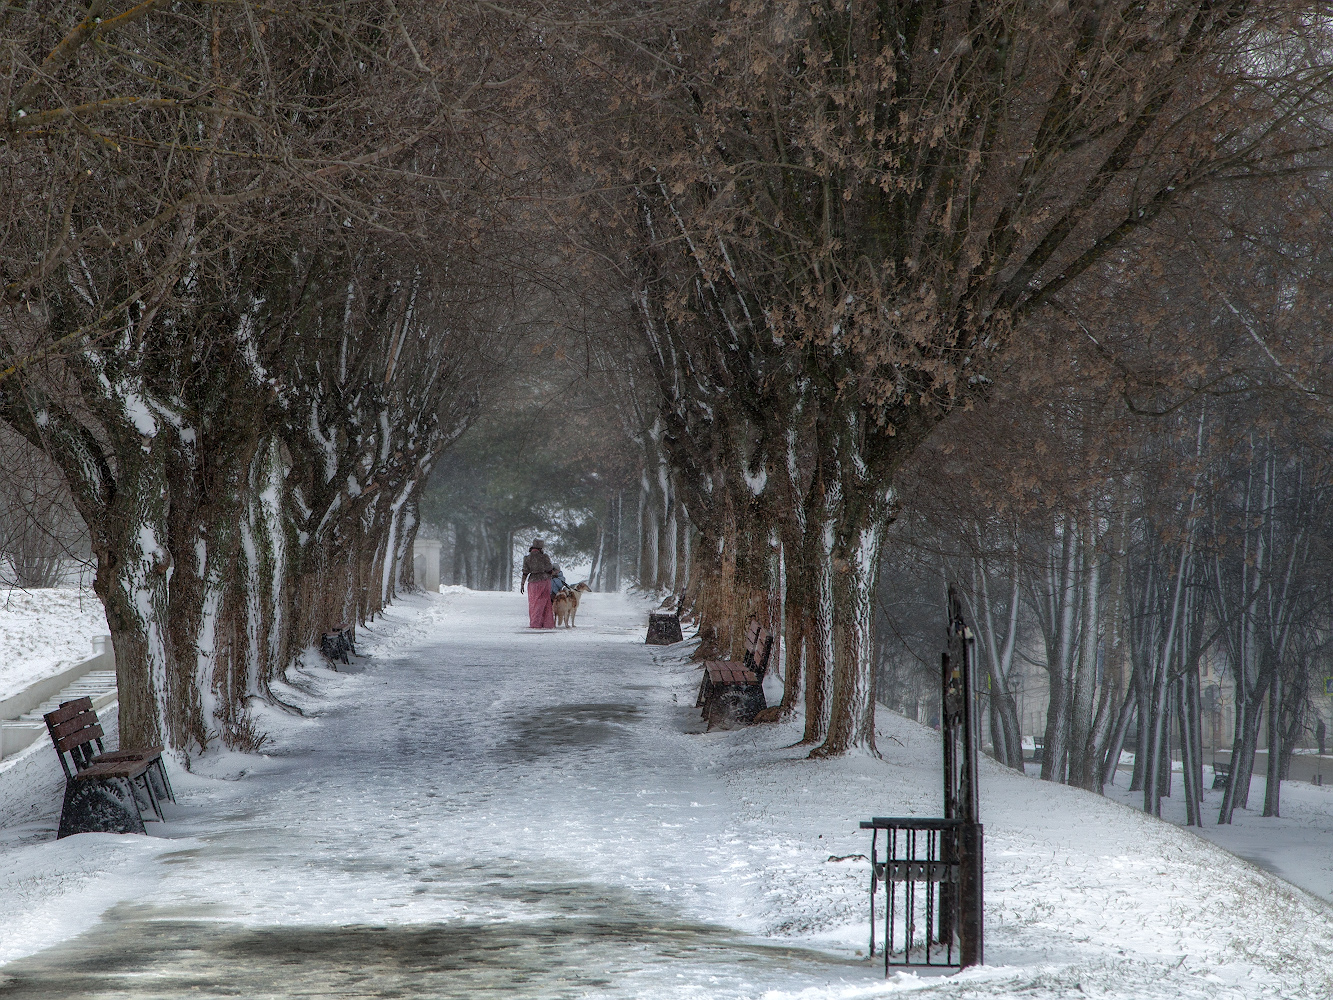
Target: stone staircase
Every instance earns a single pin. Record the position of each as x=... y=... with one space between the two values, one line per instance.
x=21 y=722
x=99 y=685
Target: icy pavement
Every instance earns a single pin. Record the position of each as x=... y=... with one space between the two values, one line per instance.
x=490 y=811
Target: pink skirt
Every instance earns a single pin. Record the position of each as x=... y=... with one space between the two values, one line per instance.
x=540 y=614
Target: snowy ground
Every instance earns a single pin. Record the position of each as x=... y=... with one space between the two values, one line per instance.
x=1298 y=846
x=490 y=810
x=42 y=631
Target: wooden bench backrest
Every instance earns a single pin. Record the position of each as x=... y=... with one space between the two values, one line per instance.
x=73 y=726
x=758 y=646
x=68 y=709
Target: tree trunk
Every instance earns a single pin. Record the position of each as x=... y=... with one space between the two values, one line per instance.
x=818 y=629
x=1082 y=751
x=1053 y=757
x=1191 y=744
x=683 y=554
x=1116 y=744
x=1165 y=757
x=1157 y=736
x=795 y=614
x=1005 y=728
x=135 y=604
x=1142 y=718
x=1294 y=702
x=1273 y=787
x=1249 y=711
x=855 y=571
x=1061 y=603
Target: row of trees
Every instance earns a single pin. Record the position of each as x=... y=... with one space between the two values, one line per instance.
x=1200 y=540
x=546 y=457
x=246 y=256
x=845 y=216
x=835 y=228
x=260 y=267
x=1121 y=521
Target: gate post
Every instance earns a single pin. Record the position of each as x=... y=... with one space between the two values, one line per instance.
x=971 y=896
x=959 y=730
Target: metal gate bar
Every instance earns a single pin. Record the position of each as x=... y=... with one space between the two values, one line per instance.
x=920 y=865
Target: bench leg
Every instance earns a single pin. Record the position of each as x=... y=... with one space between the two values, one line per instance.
x=716 y=710
x=162 y=786
x=145 y=782
x=705 y=692
x=100 y=805
x=752 y=703
x=733 y=705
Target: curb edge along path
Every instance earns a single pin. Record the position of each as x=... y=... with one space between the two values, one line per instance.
x=486 y=807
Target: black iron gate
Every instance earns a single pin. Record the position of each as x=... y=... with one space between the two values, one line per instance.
x=932 y=867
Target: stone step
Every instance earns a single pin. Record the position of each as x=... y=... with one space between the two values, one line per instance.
x=15 y=734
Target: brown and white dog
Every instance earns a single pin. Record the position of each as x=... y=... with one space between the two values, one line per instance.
x=577 y=591
x=566 y=604
x=563 y=604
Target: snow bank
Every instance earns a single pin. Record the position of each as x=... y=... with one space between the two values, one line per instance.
x=1298 y=846
x=42 y=631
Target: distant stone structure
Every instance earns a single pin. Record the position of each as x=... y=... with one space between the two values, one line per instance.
x=426 y=563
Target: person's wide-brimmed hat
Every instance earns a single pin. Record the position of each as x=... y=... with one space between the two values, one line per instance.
x=537 y=543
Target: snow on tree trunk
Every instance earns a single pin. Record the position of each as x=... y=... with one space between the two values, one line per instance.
x=852 y=708
x=795 y=616
x=134 y=596
x=819 y=638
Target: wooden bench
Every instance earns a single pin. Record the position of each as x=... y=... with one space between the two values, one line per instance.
x=336 y=645
x=105 y=792
x=732 y=693
x=663 y=629
x=1221 y=774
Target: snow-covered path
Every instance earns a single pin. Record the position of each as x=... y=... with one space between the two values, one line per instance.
x=488 y=810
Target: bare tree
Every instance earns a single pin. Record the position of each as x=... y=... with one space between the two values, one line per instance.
x=225 y=261
x=41 y=535
x=885 y=193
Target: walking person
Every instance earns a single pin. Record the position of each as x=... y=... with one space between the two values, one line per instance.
x=537 y=572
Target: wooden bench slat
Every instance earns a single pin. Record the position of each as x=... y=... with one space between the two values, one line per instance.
x=84 y=736
x=68 y=710
x=71 y=726
x=114 y=769
x=146 y=752
x=727 y=672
